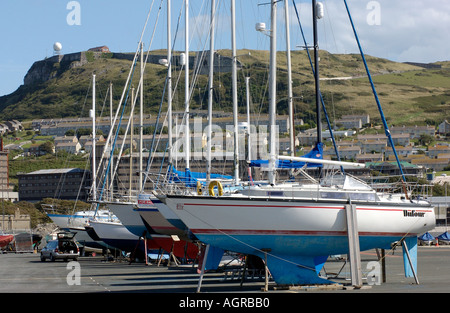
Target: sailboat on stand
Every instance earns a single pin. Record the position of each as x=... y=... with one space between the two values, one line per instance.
x=156 y=230
x=296 y=226
x=157 y=217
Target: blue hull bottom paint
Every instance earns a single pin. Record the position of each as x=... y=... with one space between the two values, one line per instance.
x=297 y=259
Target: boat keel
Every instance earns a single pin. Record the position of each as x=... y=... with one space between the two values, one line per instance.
x=295 y=270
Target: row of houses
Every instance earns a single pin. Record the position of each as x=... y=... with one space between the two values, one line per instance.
x=222 y=120
x=10 y=126
x=435 y=158
x=363 y=148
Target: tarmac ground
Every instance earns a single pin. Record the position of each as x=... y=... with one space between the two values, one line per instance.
x=25 y=273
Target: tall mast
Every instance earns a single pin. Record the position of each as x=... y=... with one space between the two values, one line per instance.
x=169 y=78
x=247 y=90
x=186 y=84
x=94 y=180
x=316 y=76
x=111 y=125
x=141 y=121
x=249 y=143
x=272 y=91
x=234 y=92
x=289 y=69
x=210 y=91
x=131 y=143
x=316 y=72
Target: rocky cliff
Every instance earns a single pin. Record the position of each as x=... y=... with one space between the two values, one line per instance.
x=44 y=70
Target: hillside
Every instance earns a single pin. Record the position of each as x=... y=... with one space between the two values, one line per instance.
x=409 y=94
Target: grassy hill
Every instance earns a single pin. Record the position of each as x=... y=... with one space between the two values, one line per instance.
x=409 y=94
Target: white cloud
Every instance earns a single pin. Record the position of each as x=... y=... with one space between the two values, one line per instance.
x=408 y=30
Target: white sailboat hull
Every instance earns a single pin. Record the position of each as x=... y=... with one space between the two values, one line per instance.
x=297 y=232
x=150 y=209
x=129 y=217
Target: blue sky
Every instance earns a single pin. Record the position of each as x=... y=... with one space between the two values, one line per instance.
x=400 y=30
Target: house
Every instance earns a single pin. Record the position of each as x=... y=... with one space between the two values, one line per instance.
x=3 y=128
x=368 y=146
x=285 y=144
x=444 y=127
x=36 y=150
x=401 y=140
x=435 y=150
x=391 y=168
x=70 y=147
x=102 y=49
x=307 y=139
x=14 y=125
x=345 y=152
x=413 y=131
x=369 y=157
x=349 y=123
x=365 y=118
x=434 y=164
x=401 y=151
x=86 y=141
x=65 y=139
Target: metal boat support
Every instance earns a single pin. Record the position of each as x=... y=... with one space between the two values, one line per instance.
x=353 y=245
x=409 y=245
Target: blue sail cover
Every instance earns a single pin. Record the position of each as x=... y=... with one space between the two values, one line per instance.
x=444 y=236
x=315 y=153
x=426 y=237
x=190 y=178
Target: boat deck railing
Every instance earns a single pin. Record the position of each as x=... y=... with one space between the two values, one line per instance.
x=384 y=185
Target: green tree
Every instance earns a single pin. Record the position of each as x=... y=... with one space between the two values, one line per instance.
x=70 y=132
x=47 y=146
x=425 y=139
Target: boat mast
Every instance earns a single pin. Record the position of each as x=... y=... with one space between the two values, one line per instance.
x=316 y=75
x=272 y=91
x=111 y=126
x=141 y=121
x=186 y=84
x=210 y=91
x=94 y=180
x=131 y=144
x=169 y=79
x=234 y=92
x=249 y=143
x=289 y=69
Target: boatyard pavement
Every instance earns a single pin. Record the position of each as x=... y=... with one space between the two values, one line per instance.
x=25 y=273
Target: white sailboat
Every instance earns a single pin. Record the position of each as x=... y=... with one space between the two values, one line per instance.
x=137 y=216
x=77 y=221
x=297 y=226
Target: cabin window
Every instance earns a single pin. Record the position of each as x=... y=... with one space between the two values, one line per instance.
x=351 y=196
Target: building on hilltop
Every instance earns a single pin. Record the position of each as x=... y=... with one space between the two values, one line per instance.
x=102 y=49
